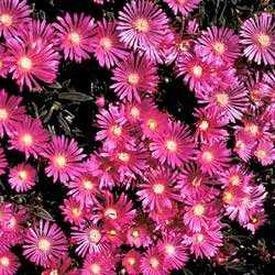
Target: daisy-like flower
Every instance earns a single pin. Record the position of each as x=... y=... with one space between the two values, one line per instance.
x=22 y=177
x=159 y=189
x=152 y=263
x=213 y=158
x=13 y=13
x=265 y=153
x=174 y=146
x=209 y=125
x=89 y=239
x=257 y=218
x=183 y=6
x=64 y=158
x=43 y=243
x=205 y=243
x=230 y=103
x=31 y=66
x=141 y=25
x=73 y=212
x=75 y=35
x=84 y=188
x=9 y=263
x=3 y=161
x=218 y=45
x=10 y=112
x=244 y=145
x=139 y=235
x=131 y=262
x=29 y=137
x=175 y=255
x=107 y=48
x=134 y=77
x=258 y=37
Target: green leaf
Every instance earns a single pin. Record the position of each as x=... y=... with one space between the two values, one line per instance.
x=75 y=96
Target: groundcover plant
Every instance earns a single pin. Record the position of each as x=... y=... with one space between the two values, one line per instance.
x=137 y=137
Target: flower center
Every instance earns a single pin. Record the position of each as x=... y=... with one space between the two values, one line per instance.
x=252 y=128
x=133 y=78
x=207 y=156
x=235 y=180
x=170 y=249
x=76 y=211
x=135 y=113
x=94 y=236
x=254 y=220
x=196 y=182
x=135 y=234
x=3 y=114
x=158 y=188
x=240 y=144
x=60 y=161
x=27 y=140
x=25 y=63
x=44 y=245
x=228 y=197
x=154 y=262
x=171 y=145
x=204 y=125
x=222 y=99
x=264 y=40
x=54 y=272
x=142 y=25
x=116 y=130
x=219 y=48
x=111 y=213
x=106 y=43
x=4 y=261
x=6 y=20
x=199 y=210
x=199 y=238
x=131 y=261
x=124 y=157
x=87 y=184
x=95 y=268
x=261 y=154
x=197 y=71
x=23 y=175
x=152 y=124
x=74 y=37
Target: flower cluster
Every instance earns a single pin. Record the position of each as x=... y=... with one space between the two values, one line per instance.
x=157 y=191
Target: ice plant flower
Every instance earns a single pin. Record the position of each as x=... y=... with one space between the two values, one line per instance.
x=64 y=159
x=258 y=37
x=75 y=34
x=9 y=263
x=183 y=6
x=44 y=242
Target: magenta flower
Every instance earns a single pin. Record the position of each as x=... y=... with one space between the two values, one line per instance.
x=258 y=37
x=9 y=263
x=213 y=158
x=218 y=45
x=141 y=25
x=3 y=161
x=183 y=6
x=75 y=35
x=139 y=236
x=131 y=262
x=174 y=146
x=13 y=13
x=256 y=220
x=29 y=137
x=22 y=177
x=89 y=240
x=43 y=243
x=134 y=77
x=32 y=65
x=107 y=48
x=64 y=159
x=4 y=61
x=265 y=153
x=10 y=112
x=159 y=189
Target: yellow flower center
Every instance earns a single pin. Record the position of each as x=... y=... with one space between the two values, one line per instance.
x=111 y=213
x=158 y=188
x=27 y=140
x=197 y=71
x=134 y=112
x=207 y=156
x=261 y=154
x=95 y=268
x=4 y=261
x=204 y=125
x=54 y=272
x=88 y=184
x=131 y=261
x=264 y=40
x=152 y=124
x=219 y=48
x=3 y=114
x=23 y=175
x=75 y=38
x=6 y=19
x=60 y=161
x=94 y=236
x=106 y=43
x=235 y=180
x=171 y=145
x=142 y=25
x=116 y=130
x=222 y=99
x=252 y=128
x=133 y=78
x=228 y=197
x=199 y=238
x=199 y=210
x=154 y=262
x=135 y=233
x=25 y=63
x=44 y=245
x=76 y=211
x=170 y=249
x=124 y=157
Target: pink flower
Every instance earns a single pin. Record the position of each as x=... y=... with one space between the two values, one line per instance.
x=4 y=61
x=3 y=161
x=29 y=137
x=43 y=243
x=107 y=48
x=9 y=263
x=174 y=146
x=139 y=235
x=64 y=157
x=134 y=77
x=141 y=25
x=175 y=254
x=206 y=242
x=265 y=153
x=131 y=262
x=32 y=65
x=258 y=37
x=257 y=218
x=213 y=158
x=10 y=112
x=218 y=45
x=75 y=35
x=22 y=177
x=13 y=13
x=89 y=240
x=159 y=189
x=183 y=6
